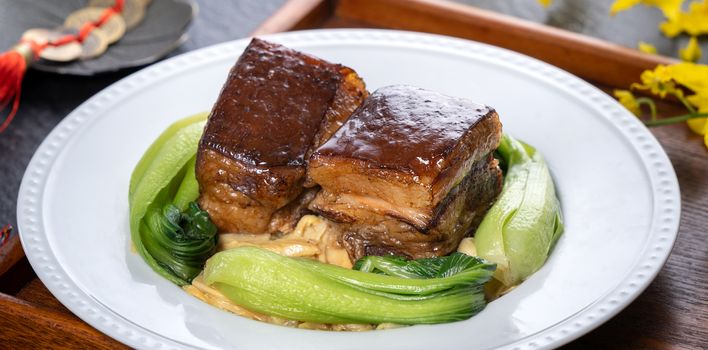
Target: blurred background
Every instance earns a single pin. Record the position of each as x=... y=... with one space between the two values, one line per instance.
x=591 y=17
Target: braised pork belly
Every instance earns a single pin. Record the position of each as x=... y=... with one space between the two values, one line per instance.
x=276 y=107
x=410 y=173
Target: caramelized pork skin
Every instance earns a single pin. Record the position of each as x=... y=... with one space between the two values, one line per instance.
x=410 y=172
x=276 y=106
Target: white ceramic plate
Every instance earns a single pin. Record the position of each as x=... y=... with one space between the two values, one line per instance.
x=618 y=190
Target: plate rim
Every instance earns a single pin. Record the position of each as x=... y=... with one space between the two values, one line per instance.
x=661 y=234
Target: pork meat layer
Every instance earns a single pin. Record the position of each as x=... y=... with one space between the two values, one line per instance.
x=368 y=229
x=411 y=172
x=276 y=107
x=406 y=148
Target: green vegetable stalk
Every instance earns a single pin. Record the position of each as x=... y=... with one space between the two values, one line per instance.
x=388 y=289
x=522 y=226
x=167 y=228
x=152 y=152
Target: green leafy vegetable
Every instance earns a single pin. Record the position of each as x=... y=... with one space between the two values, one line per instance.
x=522 y=226
x=197 y=224
x=189 y=188
x=152 y=151
x=400 y=291
x=180 y=242
x=420 y=268
x=168 y=230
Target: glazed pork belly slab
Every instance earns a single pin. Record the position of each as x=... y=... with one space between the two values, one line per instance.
x=276 y=107
x=410 y=173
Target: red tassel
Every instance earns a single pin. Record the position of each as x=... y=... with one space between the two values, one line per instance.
x=12 y=69
x=13 y=63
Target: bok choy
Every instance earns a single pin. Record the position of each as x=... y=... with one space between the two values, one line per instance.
x=522 y=226
x=168 y=229
x=387 y=289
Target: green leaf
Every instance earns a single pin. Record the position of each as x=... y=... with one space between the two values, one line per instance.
x=180 y=242
x=458 y=262
x=197 y=225
x=419 y=268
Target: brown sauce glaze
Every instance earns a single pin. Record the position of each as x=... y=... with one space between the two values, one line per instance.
x=276 y=107
x=407 y=129
x=279 y=97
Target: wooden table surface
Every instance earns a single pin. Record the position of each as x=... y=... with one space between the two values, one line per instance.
x=671 y=314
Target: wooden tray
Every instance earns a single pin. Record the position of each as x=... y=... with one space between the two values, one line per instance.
x=30 y=317
x=593 y=59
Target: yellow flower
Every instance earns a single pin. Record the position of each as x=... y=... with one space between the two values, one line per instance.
x=699 y=125
x=622 y=5
x=691 y=75
x=671 y=28
x=700 y=100
x=693 y=22
x=658 y=81
x=670 y=8
x=646 y=48
x=627 y=99
x=545 y=3
x=692 y=52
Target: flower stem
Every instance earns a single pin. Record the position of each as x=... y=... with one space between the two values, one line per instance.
x=652 y=107
x=674 y=120
x=685 y=102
